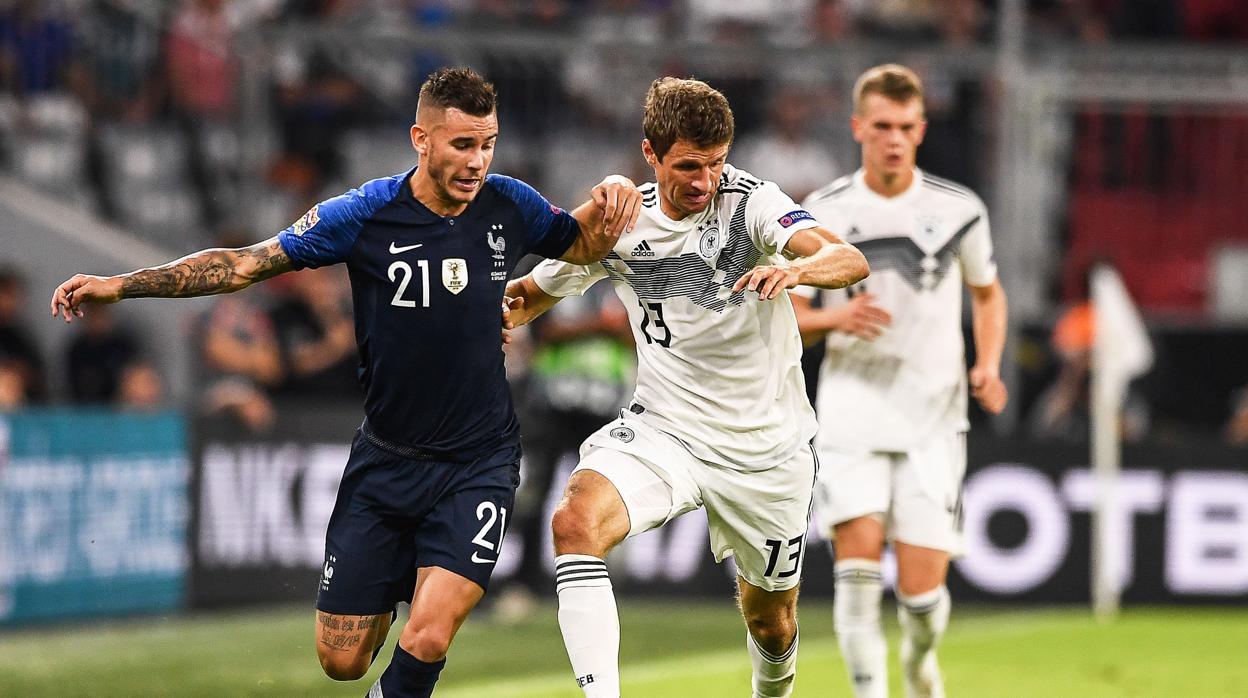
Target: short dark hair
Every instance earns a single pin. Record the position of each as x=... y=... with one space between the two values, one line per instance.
x=459 y=88
x=680 y=109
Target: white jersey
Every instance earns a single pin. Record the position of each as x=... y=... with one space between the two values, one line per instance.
x=886 y=394
x=718 y=370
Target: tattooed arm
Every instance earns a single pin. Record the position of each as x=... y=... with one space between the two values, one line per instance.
x=201 y=274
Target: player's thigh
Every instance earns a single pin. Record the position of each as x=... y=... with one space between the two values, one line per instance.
x=465 y=529
x=760 y=518
x=927 y=494
x=369 y=562
x=853 y=484
x=651 y=474
x=344 y=641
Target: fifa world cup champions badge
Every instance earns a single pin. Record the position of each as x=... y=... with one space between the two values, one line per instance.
x=455 y=274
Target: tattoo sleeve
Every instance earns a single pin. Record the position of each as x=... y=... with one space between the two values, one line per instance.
x=209 y=272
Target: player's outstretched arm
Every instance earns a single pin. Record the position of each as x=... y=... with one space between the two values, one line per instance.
x=201 y=274
x=819 y=258
x=988 y=323
x=613 y=208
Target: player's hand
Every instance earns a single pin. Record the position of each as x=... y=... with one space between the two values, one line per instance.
x=620 y=202
x=860 y=317
x=988 y=389
x=83 y=288
x=770 y=281
x=509 y=324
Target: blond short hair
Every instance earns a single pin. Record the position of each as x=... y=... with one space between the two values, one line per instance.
x=896 y=82
x=682 y=109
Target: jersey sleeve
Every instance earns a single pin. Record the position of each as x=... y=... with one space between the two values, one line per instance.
x=549 y=230
x=561 y=279
x=773 y=218
x=326 y=233
x=979 y=267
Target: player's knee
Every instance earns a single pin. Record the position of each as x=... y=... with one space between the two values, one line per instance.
x=427 y=643
x=574 y=530
x=774 y=629
x=343 y=666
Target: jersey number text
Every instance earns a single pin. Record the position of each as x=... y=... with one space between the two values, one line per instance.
x=405 y=270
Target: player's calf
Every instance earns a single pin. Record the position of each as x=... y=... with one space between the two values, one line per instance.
x=771 y=619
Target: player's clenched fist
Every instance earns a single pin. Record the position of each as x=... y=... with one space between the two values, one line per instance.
x=988 y=389
x=83 y=288
x=620 y=202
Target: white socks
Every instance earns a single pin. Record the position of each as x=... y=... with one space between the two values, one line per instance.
x=772 y=675
x=590 y=625
x=856 y=612
x=924 y=618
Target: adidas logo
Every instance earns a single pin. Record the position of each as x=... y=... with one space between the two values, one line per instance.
x=643 y=250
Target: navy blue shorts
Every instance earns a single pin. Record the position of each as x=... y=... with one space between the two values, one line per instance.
x=394 y=514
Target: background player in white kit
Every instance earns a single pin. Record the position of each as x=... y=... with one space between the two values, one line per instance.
x=720 y=417
x=892 y=466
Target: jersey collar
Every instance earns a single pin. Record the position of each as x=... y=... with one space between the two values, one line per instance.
x=860 y=180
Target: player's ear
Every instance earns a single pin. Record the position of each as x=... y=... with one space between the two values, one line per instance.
x=420 y=139
x=647 y=151
x=855 y=126
x=922 y=131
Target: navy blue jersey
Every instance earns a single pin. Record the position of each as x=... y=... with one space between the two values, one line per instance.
x=428 y=293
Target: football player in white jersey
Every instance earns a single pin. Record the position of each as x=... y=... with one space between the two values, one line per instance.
x=720 y=417
x=892 y=466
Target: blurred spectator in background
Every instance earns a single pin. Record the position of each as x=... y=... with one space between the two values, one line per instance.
x=241 y=357
x=1062 y=411
x=119 y=81
x=785 y=152
x=831 y=21
x=97 y=357
x=581 y=376
x=1237 y=426
x=36 y=48
x=316 y=333
x=202 y=70
x=314 y=101
x=140 y=388
x=19 y=355
x=12 y=387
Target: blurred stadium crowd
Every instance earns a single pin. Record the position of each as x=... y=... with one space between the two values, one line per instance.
x=216 y=122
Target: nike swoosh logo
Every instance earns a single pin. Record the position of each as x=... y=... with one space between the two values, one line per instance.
x=476 y=557
x=395 y=249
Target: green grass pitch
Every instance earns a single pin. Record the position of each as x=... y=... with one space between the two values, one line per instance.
x=669 y=650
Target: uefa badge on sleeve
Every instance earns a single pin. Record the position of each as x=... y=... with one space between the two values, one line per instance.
x=455 y=274
x=309 y=219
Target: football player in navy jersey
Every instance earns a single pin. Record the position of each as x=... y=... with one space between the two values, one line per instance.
x=427 y=493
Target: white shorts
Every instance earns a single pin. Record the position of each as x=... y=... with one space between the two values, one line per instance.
x=759 y=516
x=917 y=493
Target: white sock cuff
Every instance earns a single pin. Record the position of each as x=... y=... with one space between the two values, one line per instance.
x=858 y=570
x=580 y=571
x=922 y=604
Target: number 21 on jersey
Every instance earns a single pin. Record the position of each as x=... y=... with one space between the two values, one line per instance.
x=402 y=272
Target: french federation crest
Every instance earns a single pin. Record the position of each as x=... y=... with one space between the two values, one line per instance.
x=309 y=219
x=455 y=274
x=708 y=244
x=498 y=244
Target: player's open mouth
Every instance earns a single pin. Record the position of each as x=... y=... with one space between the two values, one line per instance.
x=466 y=184
x=697 y=198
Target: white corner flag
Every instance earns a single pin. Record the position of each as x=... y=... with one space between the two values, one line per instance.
x=1121 y=351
